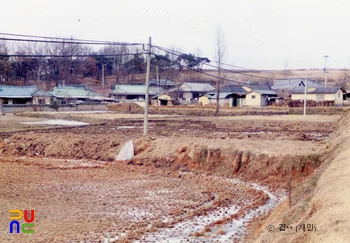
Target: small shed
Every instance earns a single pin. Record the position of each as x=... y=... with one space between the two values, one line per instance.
x=163 y=100
x=194 y=90
x=259 y=98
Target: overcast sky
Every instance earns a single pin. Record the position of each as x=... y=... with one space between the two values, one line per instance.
x=261 y=34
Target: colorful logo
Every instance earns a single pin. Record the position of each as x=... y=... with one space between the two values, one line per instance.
x=28 y=227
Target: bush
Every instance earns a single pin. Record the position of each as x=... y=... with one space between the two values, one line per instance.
x=55 y=105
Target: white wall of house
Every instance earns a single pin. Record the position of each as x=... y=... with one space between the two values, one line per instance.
x=255 y=99
x=301 y=97
x=187 y=95
x=337 y=97
x=203 y=100
x=222 y=102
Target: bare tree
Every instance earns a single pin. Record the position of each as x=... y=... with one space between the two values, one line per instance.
x=220 y=50
x=344 y=78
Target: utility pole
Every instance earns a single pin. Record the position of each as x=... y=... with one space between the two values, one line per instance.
x=218 y=90
x=305 y=83
x=158 y=83
x=103 y=76
x=325 y=71
x=145 y=123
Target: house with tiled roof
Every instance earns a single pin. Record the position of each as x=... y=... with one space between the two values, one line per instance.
x=319 y=94
x=19 y=95
x=230 y=95
x=134 y=92
x=75 y=94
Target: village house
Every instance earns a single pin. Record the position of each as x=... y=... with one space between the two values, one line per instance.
x=188 y=93
x=230 y=96
x=284 y=86
x=77 y=94
x=319 y=94
x=133 y=92
x=260 y=98
x=20 y=95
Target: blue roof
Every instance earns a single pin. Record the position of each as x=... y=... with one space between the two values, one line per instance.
x=7 y=91
x=233 y=89
x=265 y=92
x=291 y=83
x=74 y=92
x=316 y=90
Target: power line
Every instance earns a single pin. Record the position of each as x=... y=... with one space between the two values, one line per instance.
x=74 y=55
x=207 y=74
x=227 y=70
x=174 y=51
x=71 y=42
x=177 y=53
x=57 y=38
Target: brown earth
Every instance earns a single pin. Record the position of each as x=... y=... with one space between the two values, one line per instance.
x=321 y=203
x=129 y=108
x=69 y=175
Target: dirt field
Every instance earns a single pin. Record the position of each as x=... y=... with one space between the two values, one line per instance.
x=200 y=179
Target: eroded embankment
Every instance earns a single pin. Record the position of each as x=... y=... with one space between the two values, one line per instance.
x=231 y=157
x=226 y=159
x=320 y=203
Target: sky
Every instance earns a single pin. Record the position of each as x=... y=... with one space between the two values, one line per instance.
x=259 y=34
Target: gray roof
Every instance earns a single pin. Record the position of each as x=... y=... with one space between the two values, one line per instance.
x=265 y=92
x=7 y=91
x=292 y=83
x=258 y=87
x=313 y=90
x=237 y=89
x=222 y=95
x=196 y=87
x=129 y=89
x=162 y=82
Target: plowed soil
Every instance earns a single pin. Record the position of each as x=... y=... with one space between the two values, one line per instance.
x=70 y=177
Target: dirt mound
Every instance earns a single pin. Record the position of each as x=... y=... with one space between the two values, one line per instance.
x=63 y=145
x=130 y=108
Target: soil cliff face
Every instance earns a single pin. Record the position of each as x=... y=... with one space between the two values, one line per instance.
x=321 y=202
x=268 y=169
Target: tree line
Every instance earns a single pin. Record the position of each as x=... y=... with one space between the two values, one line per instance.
x=73 y=62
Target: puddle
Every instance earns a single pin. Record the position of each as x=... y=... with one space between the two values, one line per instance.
x=57 y=122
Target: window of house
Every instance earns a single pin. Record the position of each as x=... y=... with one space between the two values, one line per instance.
x=41 y=101
x=253 y=96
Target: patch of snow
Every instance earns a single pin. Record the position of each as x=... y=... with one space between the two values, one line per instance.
x=57 y=122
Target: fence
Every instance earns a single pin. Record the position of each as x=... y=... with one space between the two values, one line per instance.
x=28 y=108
